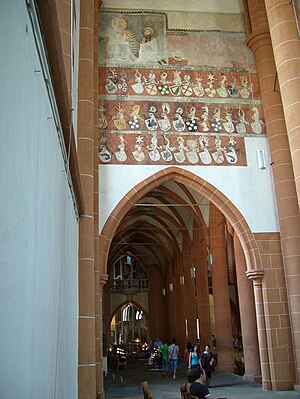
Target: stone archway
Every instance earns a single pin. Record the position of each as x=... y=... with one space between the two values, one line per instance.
x=136 y=306
x=201 y=186
x=218 y=199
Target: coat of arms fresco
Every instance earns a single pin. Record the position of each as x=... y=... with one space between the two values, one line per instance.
x=158 y=104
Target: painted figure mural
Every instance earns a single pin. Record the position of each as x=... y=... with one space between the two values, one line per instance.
x=154 y=108
x=122 y=44
x=148 y=47
x=131 y=38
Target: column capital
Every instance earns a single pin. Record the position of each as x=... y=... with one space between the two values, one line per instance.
x=102 y=280
x=256 y=275
x=259 y=39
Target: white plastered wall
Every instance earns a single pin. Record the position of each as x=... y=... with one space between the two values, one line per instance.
x=248 y=188
x=228 y=6
x=38 y=229
x=192 y=15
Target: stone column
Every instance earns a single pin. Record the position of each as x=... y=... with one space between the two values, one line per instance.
x=86 y=137
x=99 y=336
x=259 y=41
x=284 y=30
x=100 y=277
x=261 y=329
x=220 y=290
x=188 y=308
x=132 y=326
x=99 y=281
x=203 y=305
x=285 y=38
x=247 y=314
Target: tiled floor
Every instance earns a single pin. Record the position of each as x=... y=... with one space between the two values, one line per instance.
x=127 y=384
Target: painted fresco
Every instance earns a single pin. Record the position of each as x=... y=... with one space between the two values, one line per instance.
x=158 y=148
x=159 y=109
x=180 y=117
x=179 y=82
x=203 y=48
x=131 y=38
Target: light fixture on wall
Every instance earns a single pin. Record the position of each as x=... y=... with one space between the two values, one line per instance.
x=186 y=328
x=181 y=280
x=198 y=329
x=261 y=159
x=171 y=287
x=193 y=272
x=211 y=260
x=163 y=292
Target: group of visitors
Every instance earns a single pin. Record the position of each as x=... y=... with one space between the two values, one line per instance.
x=196 y=359
x=200 y=367
x=164 y=355
x=200 y=364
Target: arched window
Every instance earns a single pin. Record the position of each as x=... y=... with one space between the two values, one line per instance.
x=126 y=312
x=139 y=315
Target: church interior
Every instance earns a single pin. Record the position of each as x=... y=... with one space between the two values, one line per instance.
x=150 y=188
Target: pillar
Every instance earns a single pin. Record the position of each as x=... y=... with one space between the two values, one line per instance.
x=99 y=336
x=284 y=30
x=220 y=290
x=203 y=305
x=183 y=301
x=187 y=303
x=99 y=278
x=247 y=314
x=261 y=329
x=86 y=263
x=259 y=41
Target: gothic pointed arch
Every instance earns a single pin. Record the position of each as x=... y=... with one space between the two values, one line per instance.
x=198 y=184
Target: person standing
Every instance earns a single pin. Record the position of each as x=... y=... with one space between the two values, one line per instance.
x=187 y=351
x=173 y=356
x=194 y=358
x=149 y=352
x=198 y=345
x=206 y=358
x=157 y=343
x=157 y=352
x=235 y=343
x=164 y=349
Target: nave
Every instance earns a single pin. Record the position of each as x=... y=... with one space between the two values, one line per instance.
x=126 y=384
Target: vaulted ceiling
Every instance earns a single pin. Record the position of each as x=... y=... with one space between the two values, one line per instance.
x=154 y=227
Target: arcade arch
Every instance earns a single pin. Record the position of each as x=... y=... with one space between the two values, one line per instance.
x=176 y=222
x=129 y=325
x=188 y=180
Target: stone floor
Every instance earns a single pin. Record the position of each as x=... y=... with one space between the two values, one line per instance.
x=126 y=384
